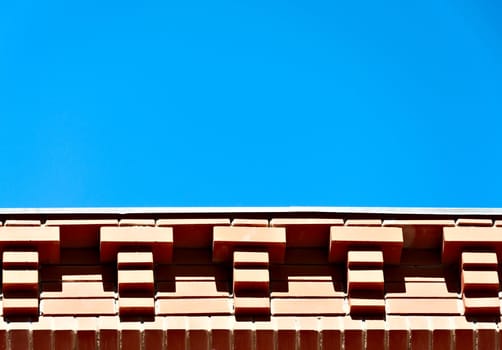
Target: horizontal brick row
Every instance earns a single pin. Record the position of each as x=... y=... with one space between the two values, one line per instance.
x=221 y=332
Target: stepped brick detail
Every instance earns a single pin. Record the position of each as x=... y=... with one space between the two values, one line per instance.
x=250 y=280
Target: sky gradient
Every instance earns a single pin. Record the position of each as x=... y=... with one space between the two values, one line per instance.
x=251 y=103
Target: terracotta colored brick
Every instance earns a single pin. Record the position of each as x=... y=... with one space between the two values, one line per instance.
x=19 y=337
x=425 y=306
x=481 y=305
x=154 y=334
x=479 y=260
x=442 y=333
x=42 y=334
x=363 y=222
x=177 y=333
x=487 y=335
x=192 y=233
x=78 y=307
x=80 y=233
x=22 y=223
x=198 y=332
x=129 y=280
x=464 y=334
x=331 y=333
x=186 y=289
x=265 y=334
x=136 y=306
x=251 y=279
x=458 y=239
x=44 y=239
x=135 y=260
x=65 y=333
x=364 y=279
x=369 y=306
x=498 y=223
x=387 y=239
x=298 y=306
x=306 y=232
x=421 y=335
x=158 y=240
x=375 y=334
x=250 y=305
x=109 y=328
x=474 y=222
x=77 y=290
x=251 y=259
x=480 y=280
x=302 y=289
x=243 y=335
x=221 y=331
x=137 y=222
x=20 y=259
x=399 y=333
x=87 y=333
x=286 y=333
x=250 y=222
x=16 y=280
x=202 y=306
x=20 y=306
x=419 y=290
x=353 y=333
x=228 y=239
x=365 y=258
x=130 y=335
x=309 y=335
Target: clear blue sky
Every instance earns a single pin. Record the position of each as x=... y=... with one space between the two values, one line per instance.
x=246 y=103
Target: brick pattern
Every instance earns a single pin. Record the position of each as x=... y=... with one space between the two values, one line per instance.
x=365 y=282
x=20 y=284
x=261 y=283
x=480 y=283
x=251 y=283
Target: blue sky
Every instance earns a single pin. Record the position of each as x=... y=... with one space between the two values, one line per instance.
x=251 y=103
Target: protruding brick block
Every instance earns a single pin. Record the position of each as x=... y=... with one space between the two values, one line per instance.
x=228 y=239
x=14 y=259
x=363 y=222
x=486 y=281
x=481 y=305
x=22 y=223
x=134 y=260
x=365 y=280
x=366 y=305
x=479 y=261
x=135 y=280
x=251 y=280
x=365 y=258
x=387 y=239
x=251 y=259
x=45 y=240
x=137 y=222
x=136 y=306
x=158 y=240
x=253 y=305
x=20 y=280
x=20 y=307
x=459 y=239
x=474 y=222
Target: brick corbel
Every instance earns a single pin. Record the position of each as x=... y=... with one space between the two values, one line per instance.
x=365 y=250
x=477 y=251
x=23 y=249
x=250 y=250
x=136 y=250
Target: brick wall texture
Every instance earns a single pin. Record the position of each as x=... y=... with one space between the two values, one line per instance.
x=250 y=282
